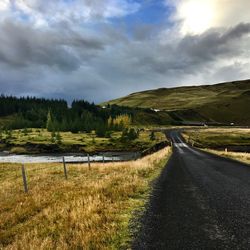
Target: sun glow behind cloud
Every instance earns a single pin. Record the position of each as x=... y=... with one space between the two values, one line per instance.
x=197 y=15
x=4 y=5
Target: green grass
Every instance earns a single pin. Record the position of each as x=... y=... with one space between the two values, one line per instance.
x=4 y=121
x=91 y=210
x=227 y=102
x=38 y=140
x=218 y=137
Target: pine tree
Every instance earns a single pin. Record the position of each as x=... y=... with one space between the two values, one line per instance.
x=110 y=123
x=53 y=137
x=100 y=130
x=49 y=123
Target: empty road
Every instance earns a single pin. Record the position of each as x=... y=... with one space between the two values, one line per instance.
x=200 y=201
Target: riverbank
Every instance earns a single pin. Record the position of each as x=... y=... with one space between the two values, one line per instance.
x=39 y=141
x=90 y=210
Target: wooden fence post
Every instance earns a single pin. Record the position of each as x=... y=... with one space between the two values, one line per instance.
x=138 y=155
x=65 y=169
x=25 y=185
x=89 y=161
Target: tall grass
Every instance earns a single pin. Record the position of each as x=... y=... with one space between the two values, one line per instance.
x=243 y=157
x=90 y=210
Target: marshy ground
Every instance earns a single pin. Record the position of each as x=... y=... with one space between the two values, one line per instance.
x=39 y=141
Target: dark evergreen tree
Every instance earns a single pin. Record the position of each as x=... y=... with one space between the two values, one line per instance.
x=31 y=112
x=101 y=130
x=49 y=123
x=53 y=137
x=132 y=134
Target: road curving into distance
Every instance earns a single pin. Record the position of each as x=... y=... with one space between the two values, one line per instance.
x=200 y=201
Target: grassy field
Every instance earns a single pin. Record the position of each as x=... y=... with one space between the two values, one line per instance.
x=222 y=138
x=218 y=137
x=39 y=140
x=90 y=210
x=225 y=103
x=5 y=120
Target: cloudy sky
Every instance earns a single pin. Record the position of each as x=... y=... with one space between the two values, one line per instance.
x=103 y=49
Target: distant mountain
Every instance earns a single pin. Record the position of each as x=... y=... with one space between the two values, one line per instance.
x=223 y=103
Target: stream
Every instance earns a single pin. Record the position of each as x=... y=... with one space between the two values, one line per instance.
x=5 y=157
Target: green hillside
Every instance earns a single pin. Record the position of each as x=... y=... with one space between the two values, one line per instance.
x=224 y=103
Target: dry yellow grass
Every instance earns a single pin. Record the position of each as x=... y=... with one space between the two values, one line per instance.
x=243 y=157
x=90 y=210
x=218 y=137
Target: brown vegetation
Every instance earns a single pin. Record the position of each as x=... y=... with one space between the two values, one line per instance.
x=243 y=157
x=90 y=210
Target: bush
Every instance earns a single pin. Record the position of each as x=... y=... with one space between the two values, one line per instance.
x=129 y=135
x=152 y=136
x=132 y=134
x=108 y=134
x=58 y=138
x=25 y=131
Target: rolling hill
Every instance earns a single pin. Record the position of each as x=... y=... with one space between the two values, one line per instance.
x=220 y=103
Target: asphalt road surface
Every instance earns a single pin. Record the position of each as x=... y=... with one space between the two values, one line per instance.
x=200 y=201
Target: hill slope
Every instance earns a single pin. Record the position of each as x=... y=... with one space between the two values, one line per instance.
x=223 y=103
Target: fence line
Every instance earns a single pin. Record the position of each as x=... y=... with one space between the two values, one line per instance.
x=65 y=170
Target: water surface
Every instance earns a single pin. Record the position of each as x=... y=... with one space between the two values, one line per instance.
x=72 y=158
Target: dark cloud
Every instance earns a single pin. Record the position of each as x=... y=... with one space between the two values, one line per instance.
x=212 y=44
x=22 y=45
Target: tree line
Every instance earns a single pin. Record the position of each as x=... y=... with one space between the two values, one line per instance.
x=57 y=115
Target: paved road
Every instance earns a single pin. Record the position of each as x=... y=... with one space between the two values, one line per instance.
x=200 y=201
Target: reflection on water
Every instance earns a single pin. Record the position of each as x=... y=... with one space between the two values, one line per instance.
x=121 y=156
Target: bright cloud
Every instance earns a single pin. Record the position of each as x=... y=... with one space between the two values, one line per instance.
x=4 y=5
x=76 y=10
x=197 y=16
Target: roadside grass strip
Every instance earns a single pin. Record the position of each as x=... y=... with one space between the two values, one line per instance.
x=242 y=157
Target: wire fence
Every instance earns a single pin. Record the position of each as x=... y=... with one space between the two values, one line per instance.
x=103 y=159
